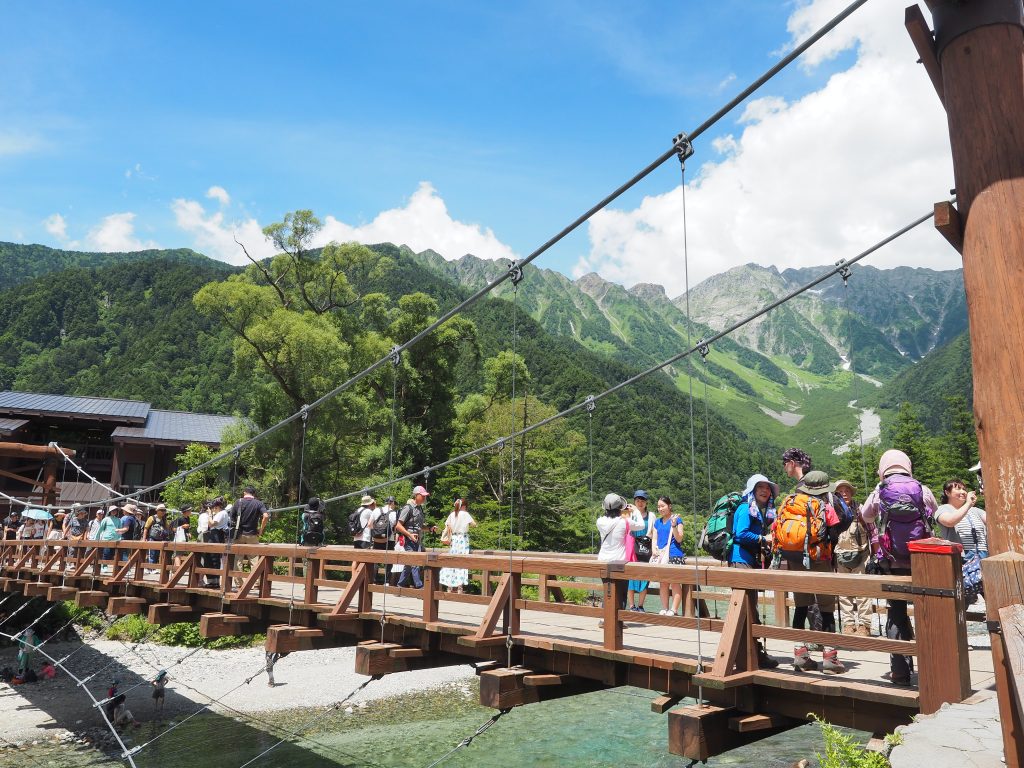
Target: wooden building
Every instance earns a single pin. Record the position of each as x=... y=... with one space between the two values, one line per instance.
x=125 y=444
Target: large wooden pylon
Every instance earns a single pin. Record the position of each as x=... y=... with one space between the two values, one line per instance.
x=979 y=46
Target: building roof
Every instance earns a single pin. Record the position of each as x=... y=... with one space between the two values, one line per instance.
x=176 y=428
x=97 y=408
x=10 y=426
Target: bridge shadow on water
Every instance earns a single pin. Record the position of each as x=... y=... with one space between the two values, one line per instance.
x=42 y=711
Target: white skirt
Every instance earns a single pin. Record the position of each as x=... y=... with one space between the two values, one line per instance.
x=457 y=577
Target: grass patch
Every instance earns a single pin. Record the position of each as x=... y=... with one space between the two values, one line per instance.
x=135 y=629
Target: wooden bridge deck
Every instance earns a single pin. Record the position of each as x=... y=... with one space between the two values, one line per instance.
x=311 y=598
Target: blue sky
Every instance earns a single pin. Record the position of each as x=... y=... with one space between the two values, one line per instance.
x=173 y=124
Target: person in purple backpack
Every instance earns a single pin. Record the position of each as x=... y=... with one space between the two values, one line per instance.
x=902 y=509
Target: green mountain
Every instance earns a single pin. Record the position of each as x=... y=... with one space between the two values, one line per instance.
x=20 y=263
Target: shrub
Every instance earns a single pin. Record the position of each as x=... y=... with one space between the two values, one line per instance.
x=843 y=751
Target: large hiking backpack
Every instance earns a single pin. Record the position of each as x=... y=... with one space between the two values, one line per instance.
x=313 y=528
x=800 y=527
x=379 y=530
x=355 y=527
x=158 y=532
x=902 y=519
x=716 y=538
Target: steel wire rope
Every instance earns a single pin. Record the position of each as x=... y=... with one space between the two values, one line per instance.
x=81 y=471
x=707 y=443
x=643 y=374
x=17 y=610
x=169 y=666
x=88 y=693
x=396 y=361
x=298 y=519
x=225 y=575
x=693 y=456
x=469 y=739
x=512 y=461
x=770 y=73
x=309 y=724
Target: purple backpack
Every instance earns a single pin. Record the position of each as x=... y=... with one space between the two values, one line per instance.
x=903 y=518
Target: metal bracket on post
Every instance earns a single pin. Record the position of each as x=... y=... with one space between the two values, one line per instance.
x=930 y=591
x=683 y=147
x=844 y=270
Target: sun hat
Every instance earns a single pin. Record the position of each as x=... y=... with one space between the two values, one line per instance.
x=640 y=495
x=815 y=483
x=613 y=502
x=840 y=483
x=893 y=461
x=753 y=481
x=367 y=500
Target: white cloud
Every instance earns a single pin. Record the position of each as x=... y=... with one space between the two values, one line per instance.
x=219 y=194
x=56 y=226
x=137 y=173
x=424 y=222
x=18 y=143
x=116 y=232
x=215 y=237
x=806 y=182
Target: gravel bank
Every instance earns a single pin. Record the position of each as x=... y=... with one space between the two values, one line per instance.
x=51 y=709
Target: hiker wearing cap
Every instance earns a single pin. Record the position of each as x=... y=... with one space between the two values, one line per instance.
x=410 y=525
x=902 y=509
x=456 y=535
x=12 y=523
x=851 y=554
x=805 y=531
x=643 y=548
x=613 y=526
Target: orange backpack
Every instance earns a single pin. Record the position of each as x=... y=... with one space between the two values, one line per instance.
x=800 y=527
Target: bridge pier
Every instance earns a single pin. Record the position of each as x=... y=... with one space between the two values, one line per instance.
x=503 y=688
x=701 y=732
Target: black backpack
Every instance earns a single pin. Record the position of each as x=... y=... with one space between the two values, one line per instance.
x=313 y=528
x=157 y=531
x=354 y=526
x=381 y=525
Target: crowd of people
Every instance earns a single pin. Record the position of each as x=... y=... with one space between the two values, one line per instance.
x=818 y=526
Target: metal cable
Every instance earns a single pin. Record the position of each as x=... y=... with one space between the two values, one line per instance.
x=784 y=62
x=298 y=517
x=592 y=399
x=512 y=468
x=469 y=739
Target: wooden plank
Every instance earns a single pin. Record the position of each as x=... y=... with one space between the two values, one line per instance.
x=1011 y=620
x=702 y=732
x=406 y=653
x=566 y=609
x=91 y=599
x=1004 y=587
x=56 y=594
x=37 y=588
x=355 y=587
x=125 y=606
x=847 y=642
x=539 y=679
x=949 y=224
x=736 y=649
x=747 y=723
x=614 y=596
x=924 y=44
x=838 y=687
x=499 y=602
x=683 y=622
x=661 y=704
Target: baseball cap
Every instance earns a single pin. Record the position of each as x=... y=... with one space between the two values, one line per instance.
x=419 y=490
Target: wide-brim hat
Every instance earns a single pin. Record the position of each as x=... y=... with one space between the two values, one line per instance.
x=815 y=483
x=367 y=500
x=840 y=483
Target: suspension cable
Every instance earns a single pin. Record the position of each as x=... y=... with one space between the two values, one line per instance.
x=469 y=739
x=512 y=458
x=637 y=376
x=298 y=517
x=396 y=361
x=784 y=62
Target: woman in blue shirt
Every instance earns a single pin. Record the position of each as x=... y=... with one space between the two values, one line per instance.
x=751 y=533
x=668 y=534
x=751 y=522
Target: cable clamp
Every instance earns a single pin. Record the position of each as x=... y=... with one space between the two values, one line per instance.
x=426 y=475
x=683 y=147
x=396 y=355
x=515 y=272
x=501 y=443
x=590 y=404
x=304 y=411
x=703 y=348
x=844 y=270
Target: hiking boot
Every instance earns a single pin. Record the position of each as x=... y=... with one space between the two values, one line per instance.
x=764 y=661
x=830 y=662
x=802 y=659
x=815 y=647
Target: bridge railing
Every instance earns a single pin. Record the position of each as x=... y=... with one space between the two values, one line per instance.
x=339 y=580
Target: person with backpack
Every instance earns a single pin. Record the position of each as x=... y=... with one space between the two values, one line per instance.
x=359 y=522
x=902 y=509
x=313 y=523
x=156 y=529
x=751 y=536
x=851 y=556
x=805 y=531
x=668 y=549
x=382 y=534
x=249 y=518
x=643 y=540
x=411 y=525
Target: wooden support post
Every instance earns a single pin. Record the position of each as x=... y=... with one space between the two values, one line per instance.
x=781 y=607
x=703 y=732
x=614 y=596
x=56 y=594
x=311 y=572
x=1004 y=588
x=944 y=671
x=981 y=52
x=125 y=606
x=737 y=649
x=485 y=583
x=213 y=625
x=357 y=585
x=171 y=613
x=510 y=614
x=542 y=587
x=91 y=599
x=283 y=638
x=949 y=224
x=501 y=688
x=499 y=602
x=431 y=582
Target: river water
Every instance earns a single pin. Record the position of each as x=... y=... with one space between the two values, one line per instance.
x=608 y=728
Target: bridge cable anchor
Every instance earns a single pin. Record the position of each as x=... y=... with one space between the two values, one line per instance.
x=683 y=147
x=515 y=272
x=843 y=270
